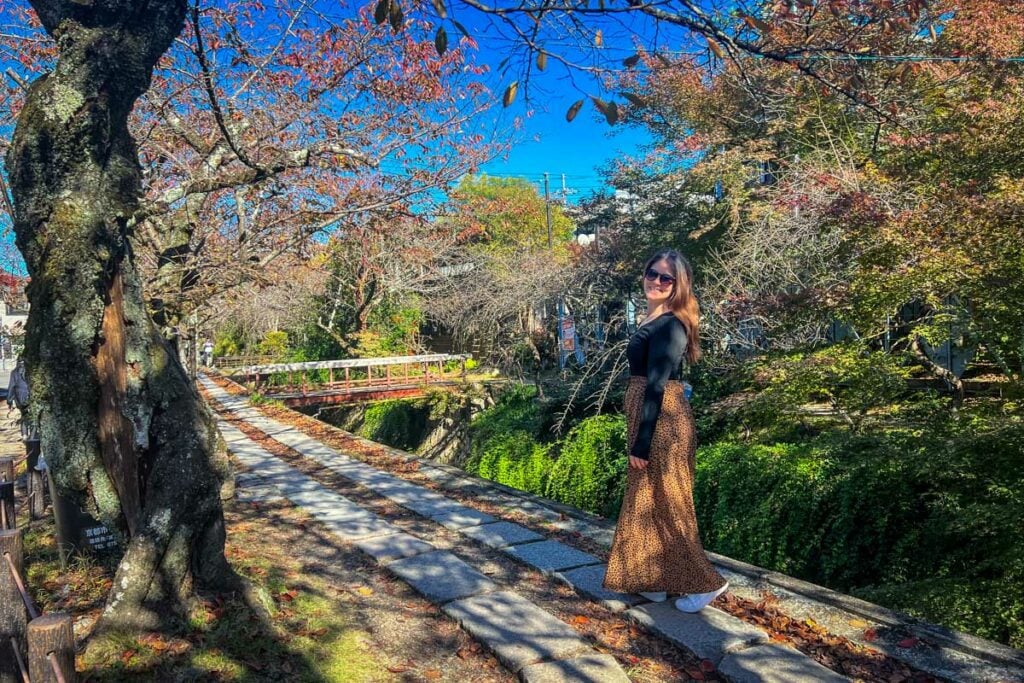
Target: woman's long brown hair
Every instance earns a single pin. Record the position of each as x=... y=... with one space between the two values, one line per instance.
x=682 y=301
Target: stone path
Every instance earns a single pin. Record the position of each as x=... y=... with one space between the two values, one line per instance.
x=527 y=639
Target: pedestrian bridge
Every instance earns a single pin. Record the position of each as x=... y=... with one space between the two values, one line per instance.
x=352 y=380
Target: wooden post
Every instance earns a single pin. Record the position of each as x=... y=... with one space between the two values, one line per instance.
x=387 y=370
x=51 y=644
x=13 y=618
x=369 y=375
x=7 y=518
x=7 y=469
x=331 y=376
x=37 y=495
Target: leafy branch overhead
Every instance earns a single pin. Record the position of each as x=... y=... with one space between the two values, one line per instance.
x=844 y=46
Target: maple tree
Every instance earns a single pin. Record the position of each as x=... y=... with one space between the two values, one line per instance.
x=827 y=209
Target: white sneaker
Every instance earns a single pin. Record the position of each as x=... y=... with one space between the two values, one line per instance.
x=698 y=601
x=658 y=596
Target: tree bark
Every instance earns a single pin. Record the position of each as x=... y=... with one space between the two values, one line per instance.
x=955 y=383
x=124 y=430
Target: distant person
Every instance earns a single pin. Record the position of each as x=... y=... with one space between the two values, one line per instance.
x=18 y=397
x=17 y=393
x=657 y=549
x=208 y=353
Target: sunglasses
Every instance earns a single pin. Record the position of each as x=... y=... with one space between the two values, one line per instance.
x=652 y=275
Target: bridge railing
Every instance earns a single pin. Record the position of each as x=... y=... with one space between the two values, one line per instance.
x=354 y=373
x=231 y=364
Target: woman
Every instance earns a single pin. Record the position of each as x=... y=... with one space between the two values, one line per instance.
x=657 y=549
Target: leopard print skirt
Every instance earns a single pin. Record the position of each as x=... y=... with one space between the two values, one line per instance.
x=657 y=546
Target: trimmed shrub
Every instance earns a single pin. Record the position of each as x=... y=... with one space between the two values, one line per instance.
x=505 y=443
x=805 y=510
x=924 y=519
x=514 y=459
x=590 y=472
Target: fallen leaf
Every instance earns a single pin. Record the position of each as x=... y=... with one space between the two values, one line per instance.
x=432 y=674
x=870 y=635
x=858 y=623
x=908 y=642
x=364 y=590
x=580 y=620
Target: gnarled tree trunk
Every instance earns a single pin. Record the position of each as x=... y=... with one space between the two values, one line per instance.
x=123 y=429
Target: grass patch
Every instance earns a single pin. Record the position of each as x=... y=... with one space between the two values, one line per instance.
x=310 y=637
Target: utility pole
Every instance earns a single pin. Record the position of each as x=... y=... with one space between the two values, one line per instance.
x=547 y=209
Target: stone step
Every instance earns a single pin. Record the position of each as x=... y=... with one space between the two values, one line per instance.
x=772 y=663
x=441 y=577
x=517 y=631
x=550 y=556
x=582 y=669
x=589 y=581
x=709 y=634
x=501 y=534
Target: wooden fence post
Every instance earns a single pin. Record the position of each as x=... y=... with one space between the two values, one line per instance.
x=12 y=610
x=7 y=469
x=36 y=499
x=37 y=495
x=7 y=509
x=51 y=645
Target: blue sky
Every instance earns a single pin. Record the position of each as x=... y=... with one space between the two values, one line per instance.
x=547 y=142
x=577 y=149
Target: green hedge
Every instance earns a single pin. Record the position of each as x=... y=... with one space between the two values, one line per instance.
x=590 y=471
x=505 y=444
x=808 y=510
x=926 y=521
x=515 y=459
x=586 y=468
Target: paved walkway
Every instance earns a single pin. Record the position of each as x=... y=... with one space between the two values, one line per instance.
x=528 y=640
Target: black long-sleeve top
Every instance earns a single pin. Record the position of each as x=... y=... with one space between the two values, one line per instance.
x=655 y=351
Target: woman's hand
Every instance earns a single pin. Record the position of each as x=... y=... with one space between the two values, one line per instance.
x=637 y=463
